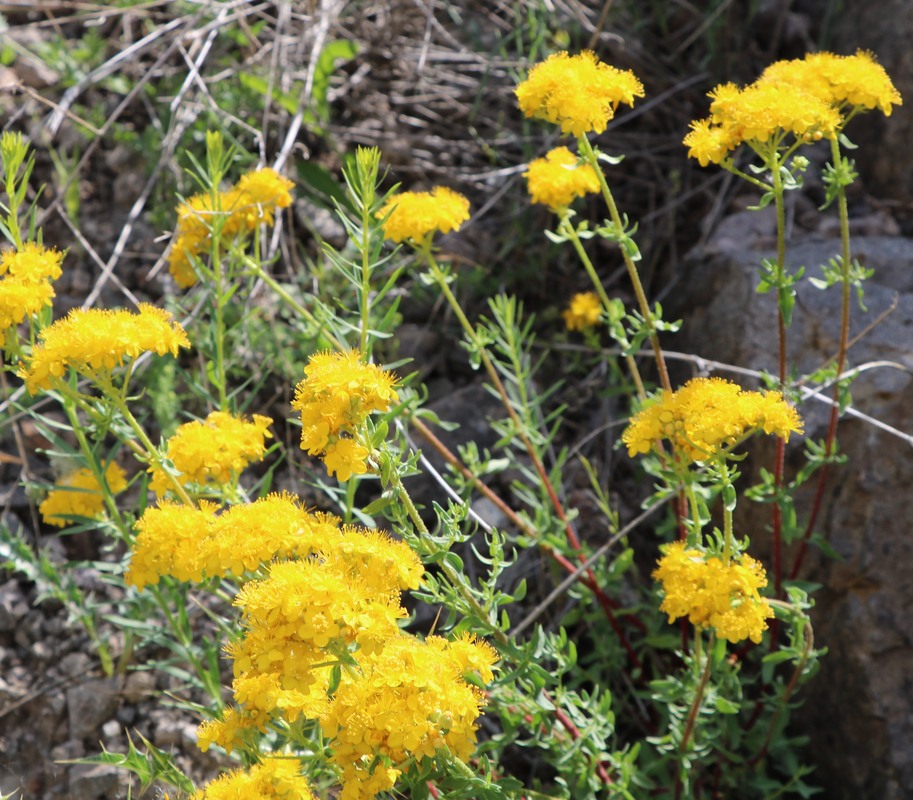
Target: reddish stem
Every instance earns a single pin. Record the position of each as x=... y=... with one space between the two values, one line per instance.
x=588 y=579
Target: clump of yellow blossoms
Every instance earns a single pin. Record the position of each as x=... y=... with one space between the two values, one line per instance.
x=558 y=179
x=276 y=777
x=810 y=98
x=713 y=594
x=584 y=311
x=239 y=210
x=335 y=398
x=193 y=544
x=26 y=276
x=707 y=416
x=416 y=215
x=213 y=450
x=854 y=82
x=756 y=114
x=579 y=93
x=306 y=611
x=80 y=495
x=409 y=701
x=96 y=341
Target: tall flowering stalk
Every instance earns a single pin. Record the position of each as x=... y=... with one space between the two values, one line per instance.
x=581 y=94
x=794 y=103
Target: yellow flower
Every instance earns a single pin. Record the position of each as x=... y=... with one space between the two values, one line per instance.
x=415 y=215
x=26 y=276
x=760 y=112
x=408 y=702
x=336 y=396
x=192 y=544
x=345 y=458
x=228 y=731
x=857 y=81
x=20 y=299
x=80 y=495
x=261 y=193
x=557 y=179
x=707 y=416
x=239 y=210
x=33 y=262
x=95 y=341
x=708 y=142
x=276 y=777
x=583 y=312
x=579 y=93
x=214 y=450
x=712 y=594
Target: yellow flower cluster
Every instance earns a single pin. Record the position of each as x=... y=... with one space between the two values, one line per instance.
x=807 y=98
x=579 y=93
x=193 y=544
x=307 y=610
x=79 y=495
x=857 y=81
x=417 y=215
x=276 y=777
x=335 y=397
x=758 y=113
x=583 y=312
x=707 y=416
x=712 y=594
x=409 y=701
x=26 y=278
x=239 y=210
x=95 y=341
x=214 y=450
x=330 y=592
x=558 y=179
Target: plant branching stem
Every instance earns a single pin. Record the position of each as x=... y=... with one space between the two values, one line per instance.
x=495 y=379
x=633 y=274
x=843 y=347
x=695 y=708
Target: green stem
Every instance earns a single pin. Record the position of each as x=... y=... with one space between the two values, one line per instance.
x=633 y=274
x=258 y=272
x=780 y=452
x=365 y=299
x=698 y=698
x=831 y=438
x=726 y=484
x=695 y=534
x=79 y=432
x=456 y=580
x=565 y=227
x=149 y=451
x=219 y=371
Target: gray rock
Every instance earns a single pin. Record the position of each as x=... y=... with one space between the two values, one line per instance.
x=138 y=686
x=13 y=606
x=92 y=781
x=91 y=704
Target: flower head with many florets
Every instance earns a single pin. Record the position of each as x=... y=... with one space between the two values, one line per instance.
x=583 y=312
x=706 y=417
x=414 y=216
x=580 y=93
x=335 y=398
x=239 y=210
x=79 y=494
x=713 y=594
x=214 y=450
x=558 y=179
x=96 y=341
x=26 y=278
